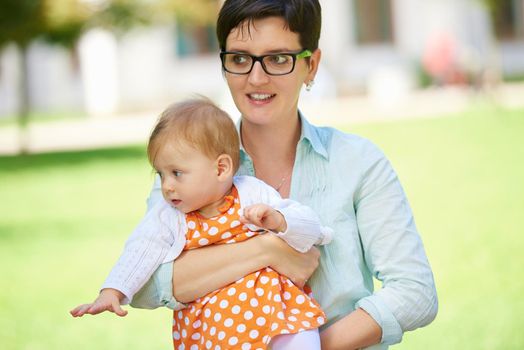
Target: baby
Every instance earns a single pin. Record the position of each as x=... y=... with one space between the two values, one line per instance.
x=195 y=149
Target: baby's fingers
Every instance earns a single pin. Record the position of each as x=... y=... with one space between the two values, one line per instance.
x=117 y=309
x=80 y=310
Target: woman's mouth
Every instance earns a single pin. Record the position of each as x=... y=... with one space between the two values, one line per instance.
x=260 y=98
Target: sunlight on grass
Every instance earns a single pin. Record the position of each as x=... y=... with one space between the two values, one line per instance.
x=65 y=217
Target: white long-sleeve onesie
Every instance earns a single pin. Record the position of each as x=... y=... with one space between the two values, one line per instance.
x=160 y=236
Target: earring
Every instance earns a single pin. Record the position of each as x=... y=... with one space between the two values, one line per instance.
x=309 y=85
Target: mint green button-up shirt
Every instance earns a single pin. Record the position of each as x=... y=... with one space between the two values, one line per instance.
x=351 y=185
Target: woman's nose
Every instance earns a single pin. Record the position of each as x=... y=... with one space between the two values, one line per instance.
x=258 y=76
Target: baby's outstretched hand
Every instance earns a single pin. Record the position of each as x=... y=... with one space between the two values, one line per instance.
x=108 y=300
x=262 y=215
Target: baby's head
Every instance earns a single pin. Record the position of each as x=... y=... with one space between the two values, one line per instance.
x=198 y=123
x=195 y=149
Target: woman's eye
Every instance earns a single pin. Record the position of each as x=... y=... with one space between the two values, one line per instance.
x=240 y=59
x=279 y=59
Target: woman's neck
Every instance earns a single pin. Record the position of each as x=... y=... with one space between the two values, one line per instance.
x=274 y=142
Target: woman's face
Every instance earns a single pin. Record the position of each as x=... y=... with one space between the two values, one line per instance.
x=261 y=98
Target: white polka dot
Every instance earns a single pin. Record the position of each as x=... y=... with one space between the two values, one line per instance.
x=205 y=226
x=224 y=304
x=235 y=309
x=197 y=324
x=310 y=314
x=180 y=315
x=250 y=283
x=249 y=233
x=231 y=291
x=213 y=299
x=274 y=326
x=228 y=322
x=203 y=241
x=186 y=321
x=300 y=299
x=233 y=341
x=217 y=347
x=253 y=302
x=240 y=280
x=269 y=295
x=207 y=313
x=199 y=311
x=284 y=331
x=221 y=335
x=176 y=335
x=259 y=292
x=181 y=347
x=226 y=235
x=234 y=223
x=209 y=344
x=217 y=317
x=287 y=295
x=213 y=231
x=290 y=326
x=264 y=279
x=191 y=225
x=248 y=315
x=246 y=346
x=280 y=315
x=242 y=296
x=241 y=328
x=275 y=281
x=266 y=309
x=213 y=330
x=204 y=326
x=292 y=319
x=261 y=321
x=320 y=320
x=196 y=234
x=253 y=334
x=295 y=311
x=277 y=298
x=222 y=219
x=306 y=324
x=195 y=336
x=266 y=339
x=231 y=211
x=184 y=333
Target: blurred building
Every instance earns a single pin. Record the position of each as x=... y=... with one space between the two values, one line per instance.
x=382 y=47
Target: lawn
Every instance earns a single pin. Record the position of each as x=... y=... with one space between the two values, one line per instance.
x=65 y=216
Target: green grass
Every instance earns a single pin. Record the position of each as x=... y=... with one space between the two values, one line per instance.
x=65 y=216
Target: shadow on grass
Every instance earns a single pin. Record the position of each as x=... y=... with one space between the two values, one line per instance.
x=70 y=158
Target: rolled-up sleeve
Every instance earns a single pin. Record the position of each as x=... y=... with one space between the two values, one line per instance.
x=394 y=253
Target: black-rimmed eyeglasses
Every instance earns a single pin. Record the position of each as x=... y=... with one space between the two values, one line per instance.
x=273 y=64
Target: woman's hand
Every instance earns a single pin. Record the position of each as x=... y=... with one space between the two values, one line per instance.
x=296 y=266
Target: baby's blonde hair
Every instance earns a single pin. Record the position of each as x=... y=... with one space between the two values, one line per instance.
x=199 y=123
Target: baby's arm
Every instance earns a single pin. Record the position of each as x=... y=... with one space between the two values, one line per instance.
x=144 y=251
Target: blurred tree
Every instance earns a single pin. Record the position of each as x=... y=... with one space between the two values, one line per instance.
x=20 y=22
x=64 y=21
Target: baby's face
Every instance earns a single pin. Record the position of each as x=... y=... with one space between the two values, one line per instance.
x=189 y=177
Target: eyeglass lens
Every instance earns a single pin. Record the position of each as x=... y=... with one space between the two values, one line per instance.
x=272 y=64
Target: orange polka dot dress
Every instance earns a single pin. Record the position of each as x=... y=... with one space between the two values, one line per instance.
x=248 y=313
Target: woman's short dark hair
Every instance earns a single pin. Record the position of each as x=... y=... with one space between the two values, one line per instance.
x=302 y=17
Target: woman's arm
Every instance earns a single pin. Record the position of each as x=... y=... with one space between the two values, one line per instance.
x=355 y=331
x=200 y=271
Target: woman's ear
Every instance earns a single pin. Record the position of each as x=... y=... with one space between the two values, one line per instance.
x=224 y=164
x=314 y=61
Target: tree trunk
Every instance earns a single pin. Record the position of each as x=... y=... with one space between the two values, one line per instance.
x=24 y=100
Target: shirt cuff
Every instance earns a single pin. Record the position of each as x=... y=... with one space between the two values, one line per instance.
x=375 y=307
x=158 y=291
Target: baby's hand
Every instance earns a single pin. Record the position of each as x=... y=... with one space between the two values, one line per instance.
x=264 y=216
x=108 y=300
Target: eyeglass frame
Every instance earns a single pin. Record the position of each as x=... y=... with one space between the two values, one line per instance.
x=295 y=55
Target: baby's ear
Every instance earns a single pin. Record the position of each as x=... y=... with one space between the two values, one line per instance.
x=224 y=166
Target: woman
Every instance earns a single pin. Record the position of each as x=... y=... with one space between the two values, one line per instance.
x=269 y=52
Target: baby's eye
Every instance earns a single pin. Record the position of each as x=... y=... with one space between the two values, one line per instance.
x=177 y=173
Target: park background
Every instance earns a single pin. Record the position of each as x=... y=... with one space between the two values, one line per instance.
x=81 y=87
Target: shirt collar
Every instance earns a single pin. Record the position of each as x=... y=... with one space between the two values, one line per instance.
x=308 y=134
